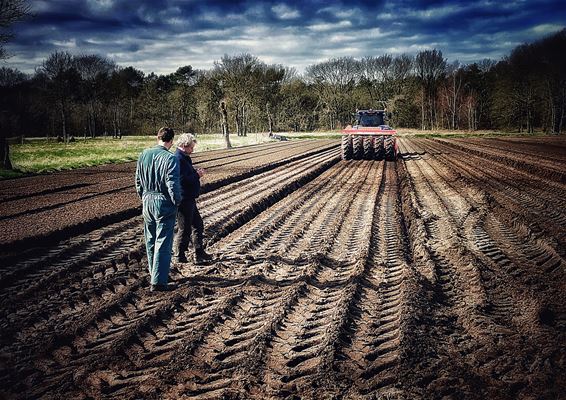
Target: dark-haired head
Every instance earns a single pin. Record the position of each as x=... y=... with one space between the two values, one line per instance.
x=165 y=134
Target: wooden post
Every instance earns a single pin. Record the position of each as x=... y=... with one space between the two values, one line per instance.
x=224 y=124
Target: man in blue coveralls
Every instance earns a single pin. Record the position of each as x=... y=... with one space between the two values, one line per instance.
x=158 y=185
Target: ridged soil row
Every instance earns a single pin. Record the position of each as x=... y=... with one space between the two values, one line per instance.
x=231 y=358
x=219 y=175
x=502 y=192
x=226 y=211
x=533 y=298
x=502 y=291
x=533 y=164
x=370 y=349
x=523 y=271
x=551 y=147
x=303 y=354
x=99 y=249
x=24 y=207
x=119 y=355
x=227 y=346
x=278 y=228
x=228 y=154
x=520 y=185
x=78 y=217
x=452 y=321
x=536 y=149
x=510 y=305
x=71 y=255
x=286 y=151
x=86 y=289
x=409 y=149
x=319 y=238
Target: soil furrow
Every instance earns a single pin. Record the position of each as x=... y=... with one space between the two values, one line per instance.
x=530 y=209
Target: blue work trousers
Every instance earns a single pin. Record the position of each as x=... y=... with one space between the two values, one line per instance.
x=159 y=215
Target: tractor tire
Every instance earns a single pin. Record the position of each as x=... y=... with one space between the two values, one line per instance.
x=347 y=151
x=358 y=148
x=378 y=148
x=368 y=147
x=390 y=148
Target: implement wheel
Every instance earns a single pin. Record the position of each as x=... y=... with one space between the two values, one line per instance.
x=368 y=147
x=390 y=148
x=378 y=148
x=358 y=147
x=347 y=150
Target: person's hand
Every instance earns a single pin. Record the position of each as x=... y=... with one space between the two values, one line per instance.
x=200 y=172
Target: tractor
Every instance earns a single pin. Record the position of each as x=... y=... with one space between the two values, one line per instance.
x=370 y=138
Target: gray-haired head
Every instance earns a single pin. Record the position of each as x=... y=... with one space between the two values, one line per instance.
x=185 y=139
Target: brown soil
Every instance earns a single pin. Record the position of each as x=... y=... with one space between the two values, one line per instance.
x=441 y=275
x=48 y=208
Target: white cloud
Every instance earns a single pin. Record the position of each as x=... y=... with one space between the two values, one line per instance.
x=100 y=4
x=324 y=27
x=435 y=13
x=67 y=44
x=285 y=12
x=342 y=13
x=547 y=28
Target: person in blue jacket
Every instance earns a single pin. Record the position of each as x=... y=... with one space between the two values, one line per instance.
x=158 y=185
x=189 y=221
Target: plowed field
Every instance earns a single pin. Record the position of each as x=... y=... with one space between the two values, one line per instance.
x=441 y=275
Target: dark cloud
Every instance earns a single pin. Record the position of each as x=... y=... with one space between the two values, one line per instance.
x=293 y=33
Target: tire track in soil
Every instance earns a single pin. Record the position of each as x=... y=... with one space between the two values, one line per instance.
x=504 y=194
x=15 y=261
x=104 y=246
x=92 y=213
x=129 y=366
x=456 y=289
x=272 y=232
x=512 y=244
x=303 y=350
x=369 y=351
x=225 y=351
x=274 y=185
x=253 y=194
x=242 y=339
x=468 y=217
x=46 y=314
x=316 y=297
x=536 y=165
x=509 y=308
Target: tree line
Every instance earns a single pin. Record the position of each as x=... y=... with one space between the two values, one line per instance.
x=90 y=95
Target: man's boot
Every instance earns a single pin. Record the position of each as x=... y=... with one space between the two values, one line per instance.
x=179 y=257
x=201 y=256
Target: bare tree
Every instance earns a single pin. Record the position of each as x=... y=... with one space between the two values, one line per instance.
x=236 y=77
x=377 y=73
x=224 y=124
x=452 y=93
x=182 y=96
x=59 y=68
x=402 y=67
x=334 y=80
x=95 y=72
x=430 y=67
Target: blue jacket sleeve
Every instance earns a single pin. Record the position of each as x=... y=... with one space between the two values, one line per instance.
x=191 y=181
x=173 y=181
x=139 y=188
